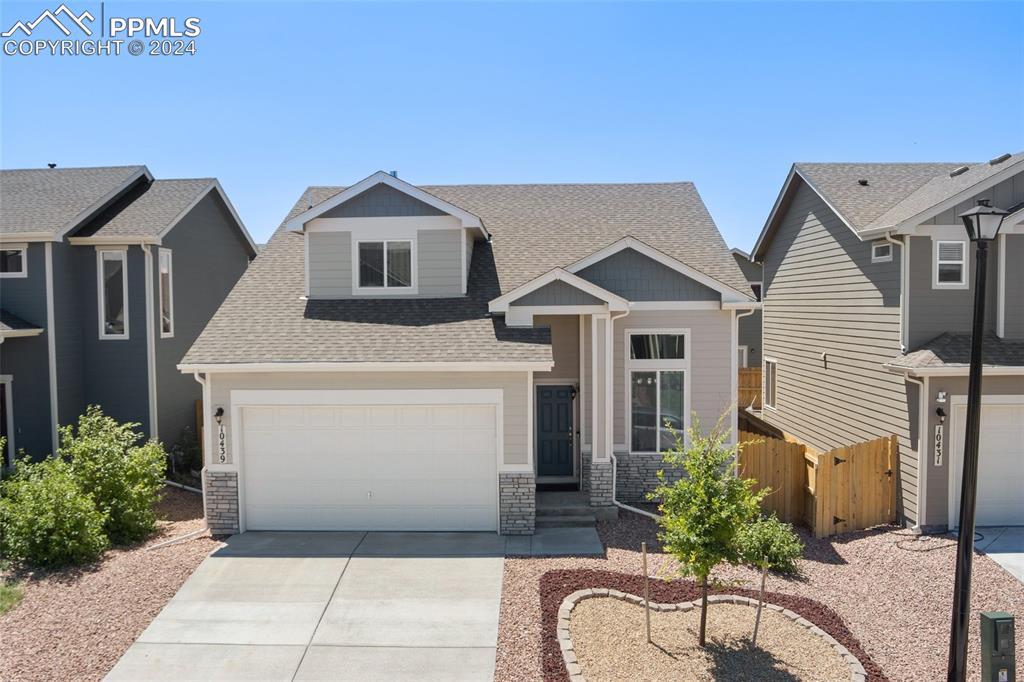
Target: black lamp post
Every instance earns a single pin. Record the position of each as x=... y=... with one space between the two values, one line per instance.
x=983 y=223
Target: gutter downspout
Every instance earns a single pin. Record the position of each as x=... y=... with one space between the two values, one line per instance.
x=203 y=381
x=904 y=278
x=738 y=316
x=150 y=342
x=922 y=461
x=615 y=462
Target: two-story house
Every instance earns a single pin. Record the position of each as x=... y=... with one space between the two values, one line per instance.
x=422 y=358
x=107 y=276
x=868 y=298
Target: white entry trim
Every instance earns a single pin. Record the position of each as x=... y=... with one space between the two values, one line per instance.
x=955 y=463
x=5 y=386
x=241 y=398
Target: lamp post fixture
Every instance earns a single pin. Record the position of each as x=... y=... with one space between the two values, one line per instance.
x=982 y=223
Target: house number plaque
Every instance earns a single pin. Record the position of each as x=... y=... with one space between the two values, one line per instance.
x=222 y=450
x=937 y=444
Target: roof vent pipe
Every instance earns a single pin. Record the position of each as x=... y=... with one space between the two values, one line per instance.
x=393 y=174
x=958 y=171
x=51 y=166
x=862 y=182
x=998 y=159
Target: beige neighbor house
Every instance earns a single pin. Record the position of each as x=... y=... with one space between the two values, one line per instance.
x=868 y=295
x=422 y=358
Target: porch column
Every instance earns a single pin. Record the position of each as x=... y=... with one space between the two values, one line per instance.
x=601 y=410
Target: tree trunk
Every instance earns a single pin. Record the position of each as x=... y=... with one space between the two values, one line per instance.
x=760 y=603
x=703 y=610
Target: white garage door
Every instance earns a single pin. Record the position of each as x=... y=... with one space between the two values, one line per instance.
x=1000 y=464
x=370 y=467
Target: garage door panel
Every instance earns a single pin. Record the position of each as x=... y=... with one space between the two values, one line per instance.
x=1000 y=464
x=380 y=467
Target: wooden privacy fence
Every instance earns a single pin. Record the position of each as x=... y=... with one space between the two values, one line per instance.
x=842 y=490
x=749 y=387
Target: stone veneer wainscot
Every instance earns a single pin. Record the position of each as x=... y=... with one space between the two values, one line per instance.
x=221 y=488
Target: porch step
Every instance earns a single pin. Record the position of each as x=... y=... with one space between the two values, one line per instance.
x=585 y=520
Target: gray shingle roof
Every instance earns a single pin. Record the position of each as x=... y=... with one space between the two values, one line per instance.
x=48 y=200
x=954 y=350
x=534 y=228
x=12 y=323
x=888 y=185
x=146 y=212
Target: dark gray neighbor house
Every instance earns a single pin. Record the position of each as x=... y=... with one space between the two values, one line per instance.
x=434 y=357
x=107 y=276
x=868 y=291
x=749 y=350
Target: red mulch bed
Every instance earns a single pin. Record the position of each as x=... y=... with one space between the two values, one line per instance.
x=555 y=586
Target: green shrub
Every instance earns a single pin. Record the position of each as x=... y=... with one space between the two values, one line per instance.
x=123 y=478
x=45 y=517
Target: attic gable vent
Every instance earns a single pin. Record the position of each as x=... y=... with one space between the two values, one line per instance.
x=958 y=171
x=998 y=159
x=862 y=182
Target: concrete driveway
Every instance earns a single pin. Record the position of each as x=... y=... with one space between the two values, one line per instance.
x=330 y=606
x=1005 y=546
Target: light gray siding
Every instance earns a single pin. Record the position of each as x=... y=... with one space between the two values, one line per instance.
x=27 y=359
x=557 y=293
x=565 y=346
x=936 y=311
x=209 y=256
x=1013 y=324
x=439 y=262
x=823 y=295
x=513 y=384
x=382 y=201
x=1008 y=193
x=636 y=277
x=330 y=264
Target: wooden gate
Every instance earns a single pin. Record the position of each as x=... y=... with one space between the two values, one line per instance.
x=852 y=487
x=779 y=465
x=748 y=386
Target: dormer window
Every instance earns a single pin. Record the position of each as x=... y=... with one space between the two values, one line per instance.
x=385 y=264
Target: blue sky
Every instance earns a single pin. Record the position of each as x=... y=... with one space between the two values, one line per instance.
x=283 y=95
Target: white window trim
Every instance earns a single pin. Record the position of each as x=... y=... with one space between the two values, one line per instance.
x=875 y=258
x=631 y=365
x=746 y=355
x=24 y=261
x=964 y=269
x=121 y=255
x=764 y=388
x=386 y=290
x=170 y=290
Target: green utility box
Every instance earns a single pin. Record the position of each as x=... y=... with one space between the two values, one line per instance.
x=997 y=647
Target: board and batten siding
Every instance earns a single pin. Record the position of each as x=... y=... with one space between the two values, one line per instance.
x=1013 y=324
x=382 y=201
x=824 y=295
x=557 y=293
x=634 y=276
x=513 y=384
x=711 y=355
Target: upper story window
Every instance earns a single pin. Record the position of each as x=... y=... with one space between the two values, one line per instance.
x=112 y=285
x=770 y=378
x=657 y=378
x=756 y=288
x=950 y=264
x=881 y=252
x=385 y=264
x=166 y=294
x=13 y=261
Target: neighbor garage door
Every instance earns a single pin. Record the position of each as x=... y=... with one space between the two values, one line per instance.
x=1000 y=464
x=370 y=467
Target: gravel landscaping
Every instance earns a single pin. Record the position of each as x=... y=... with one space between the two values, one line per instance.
x=609 y=639
x=74 y=624
x=890 y=590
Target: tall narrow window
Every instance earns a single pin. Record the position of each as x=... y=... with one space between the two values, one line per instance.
x=950 y=264
x=656 y=371
x=166 y=295
x=112 y=275
x=770 y=371
x=14 y=261
x=385 y=264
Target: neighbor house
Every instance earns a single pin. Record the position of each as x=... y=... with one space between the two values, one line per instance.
x=107 y=276
x=750 y=323
x=422 y=358
x=868 y=295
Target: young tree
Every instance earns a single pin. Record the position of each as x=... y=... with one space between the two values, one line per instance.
x=704 y=509
x=768 y=543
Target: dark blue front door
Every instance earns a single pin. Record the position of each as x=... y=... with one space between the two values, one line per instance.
x=554 y=430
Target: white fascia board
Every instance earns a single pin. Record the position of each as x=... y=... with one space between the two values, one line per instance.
x=115 y=240
x=214 y=186
x=77 y=220
x=742 y=305
x=654 y=254
x=225 y=368
x=23 y=237
x=614 y=301
x=910 y=224
x=959 y=371
x=16 y=333
x=741 y=252
x=468 y=220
